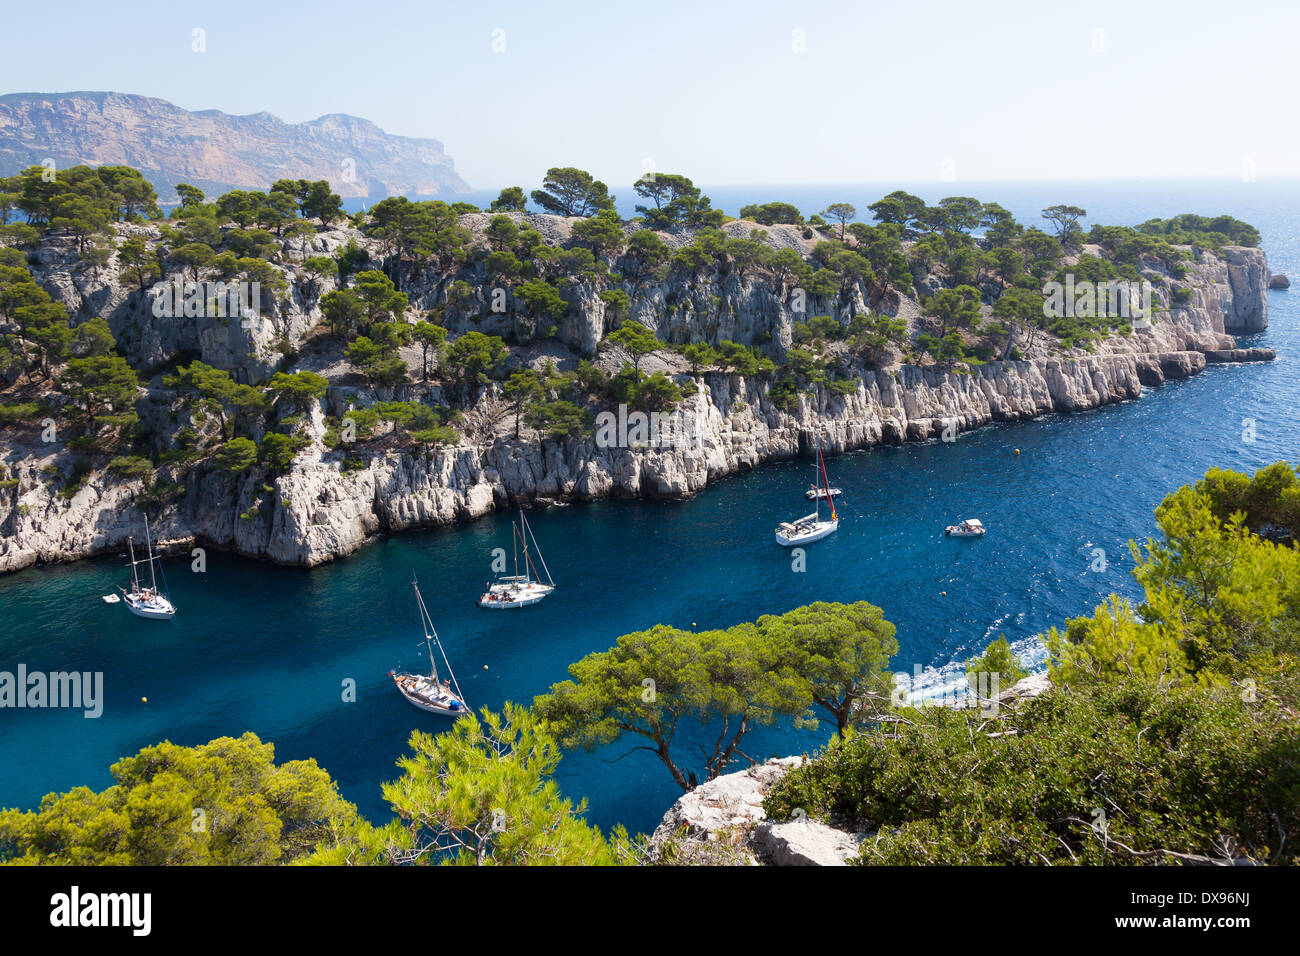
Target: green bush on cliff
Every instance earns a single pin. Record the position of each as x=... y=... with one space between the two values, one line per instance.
x=1121 y=772
x=236 y=456
x=131 y=466
x=27 y=412
x=772 y=213
x=1215 y=232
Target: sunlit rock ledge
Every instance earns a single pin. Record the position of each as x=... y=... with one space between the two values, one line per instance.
x=722 y=822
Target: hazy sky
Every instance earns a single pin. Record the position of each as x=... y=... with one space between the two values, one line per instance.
x=745 y=92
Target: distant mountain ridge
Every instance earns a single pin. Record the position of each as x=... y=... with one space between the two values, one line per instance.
x=218 y=151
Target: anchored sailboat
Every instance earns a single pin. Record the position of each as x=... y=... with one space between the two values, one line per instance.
x=146 y=601
x=520 y=590
x=811 y=527
x=431 y=693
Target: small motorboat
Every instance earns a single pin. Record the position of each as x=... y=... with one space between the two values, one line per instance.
x=970 y=528
x=815 y=493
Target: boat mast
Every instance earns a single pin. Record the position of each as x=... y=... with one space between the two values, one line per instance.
x=148 y=543
x=825 y=483
x=524 y=541
x=425 y=625
x=135 y=576
x=430 y=638
x=514 y=546
x=817 y=499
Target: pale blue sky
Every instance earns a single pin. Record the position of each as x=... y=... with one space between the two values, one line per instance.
x=882 y=92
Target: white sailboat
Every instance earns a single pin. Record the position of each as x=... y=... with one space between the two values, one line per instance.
x=146 y=601
x=519 y=590
x=810 y=528
x=433 y=694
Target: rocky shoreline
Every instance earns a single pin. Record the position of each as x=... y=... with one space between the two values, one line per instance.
x=318 y=512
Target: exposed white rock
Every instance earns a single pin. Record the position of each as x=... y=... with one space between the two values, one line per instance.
x=318 y=512
x=714 y=820
x=1030 y=686
x=1248 y=277
x=722 y=821
x=804 y=842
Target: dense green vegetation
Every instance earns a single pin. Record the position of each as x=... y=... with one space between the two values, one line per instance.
x=81 y=202
x=1204 y=231
x=418 y=279
x=677 y=202
x=222 y=803
x=97 y=387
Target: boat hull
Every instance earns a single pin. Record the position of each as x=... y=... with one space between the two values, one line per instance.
x=153 y=610
x=815 y=532
x=522 y=597
x=446 y=704
x=433 y=708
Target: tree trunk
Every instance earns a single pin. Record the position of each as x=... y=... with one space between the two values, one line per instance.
x=673 y=768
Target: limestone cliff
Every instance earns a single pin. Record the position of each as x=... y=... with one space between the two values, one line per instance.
x=318 y=511
x=1248 y=278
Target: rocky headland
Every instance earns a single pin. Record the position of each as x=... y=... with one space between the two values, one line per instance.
x=318 y=510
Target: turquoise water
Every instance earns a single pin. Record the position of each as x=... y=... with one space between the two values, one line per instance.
x=263 y=648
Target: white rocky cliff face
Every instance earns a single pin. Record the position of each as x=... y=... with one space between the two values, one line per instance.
x=317 y=511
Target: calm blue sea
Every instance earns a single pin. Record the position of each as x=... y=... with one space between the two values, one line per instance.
x=263 y=648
